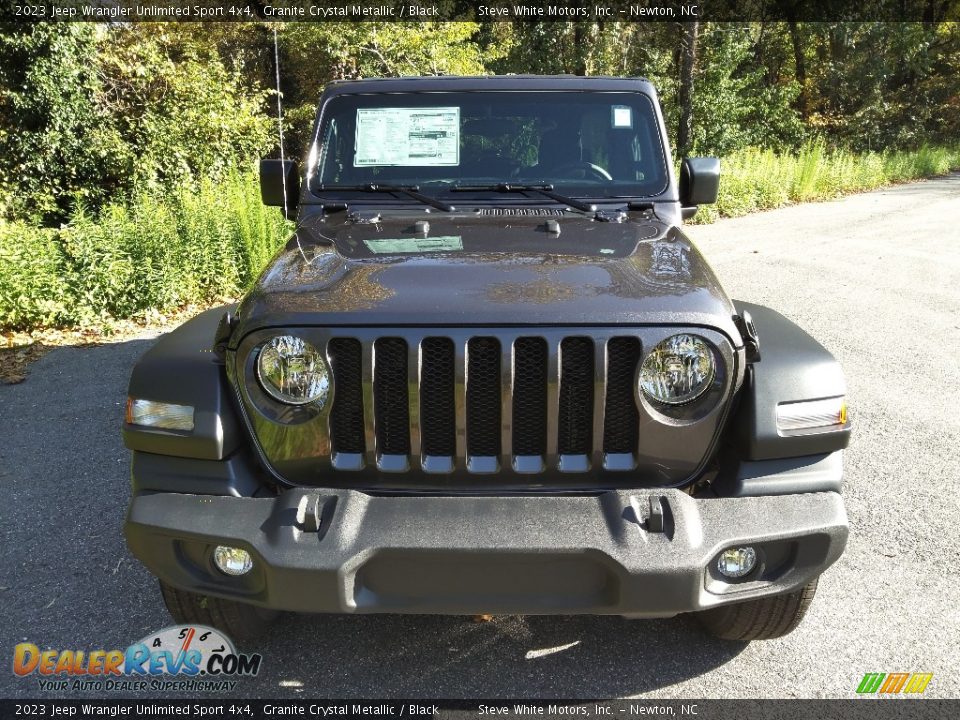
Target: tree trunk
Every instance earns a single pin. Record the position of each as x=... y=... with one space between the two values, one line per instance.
x=581 y=47
x=800 y=67
x=688 y=61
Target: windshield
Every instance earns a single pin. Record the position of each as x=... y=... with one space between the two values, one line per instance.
x=586 y=144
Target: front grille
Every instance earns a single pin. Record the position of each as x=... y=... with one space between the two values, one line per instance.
x=484 y=404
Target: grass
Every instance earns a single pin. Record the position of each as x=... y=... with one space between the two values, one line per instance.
x=752 y=179
x=157 y=253
x=161 y=252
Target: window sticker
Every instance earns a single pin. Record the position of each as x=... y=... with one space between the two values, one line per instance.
x=407 y=136
x=398 y=246
x=621 y=116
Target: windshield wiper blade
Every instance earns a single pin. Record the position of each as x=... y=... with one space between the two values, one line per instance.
x=408 y=190
x=542 y=188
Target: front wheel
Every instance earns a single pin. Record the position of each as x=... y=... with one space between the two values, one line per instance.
x=240 y=621
x=762 y=619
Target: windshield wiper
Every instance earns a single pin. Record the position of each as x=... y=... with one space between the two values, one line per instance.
x=543 y=188
x=408 y=190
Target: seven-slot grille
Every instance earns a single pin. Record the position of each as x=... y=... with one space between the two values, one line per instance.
x=485 y=403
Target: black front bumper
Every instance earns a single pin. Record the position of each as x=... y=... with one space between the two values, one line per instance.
x=599 y=554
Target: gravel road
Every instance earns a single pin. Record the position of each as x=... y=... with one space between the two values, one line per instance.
x=875 y=277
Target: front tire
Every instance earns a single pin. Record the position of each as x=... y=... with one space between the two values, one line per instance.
x=240 y=621
x=762 y=619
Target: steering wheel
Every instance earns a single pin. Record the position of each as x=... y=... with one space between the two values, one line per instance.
x=587 y=168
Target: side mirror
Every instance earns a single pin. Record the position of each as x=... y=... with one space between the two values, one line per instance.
x=274 y=176
x=699 y=183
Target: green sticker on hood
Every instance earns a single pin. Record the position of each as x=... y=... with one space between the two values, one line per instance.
x=397 y=246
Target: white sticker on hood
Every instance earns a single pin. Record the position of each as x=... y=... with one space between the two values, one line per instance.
x=398 y=246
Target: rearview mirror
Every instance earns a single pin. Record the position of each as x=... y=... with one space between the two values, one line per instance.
x=699 y=183
x=274 y=176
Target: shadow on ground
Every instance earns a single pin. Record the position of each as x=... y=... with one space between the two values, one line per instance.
x=511 y=657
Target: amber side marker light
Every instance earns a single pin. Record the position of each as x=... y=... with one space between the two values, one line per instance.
x=159 y=415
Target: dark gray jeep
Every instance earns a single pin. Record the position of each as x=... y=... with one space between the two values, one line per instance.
x=488 y=374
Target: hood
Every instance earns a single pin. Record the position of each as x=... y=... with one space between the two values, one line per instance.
x=487 y=267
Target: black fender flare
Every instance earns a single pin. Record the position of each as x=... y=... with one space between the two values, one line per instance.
x=793 y=367
x=182 y=368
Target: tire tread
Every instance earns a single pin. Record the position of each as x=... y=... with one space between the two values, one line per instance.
x=240 y=621
x=763 y=619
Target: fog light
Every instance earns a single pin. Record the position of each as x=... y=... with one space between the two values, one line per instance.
x=736 y=562
x=232 y=561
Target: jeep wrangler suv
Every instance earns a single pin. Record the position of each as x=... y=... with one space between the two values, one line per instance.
x=489 y=373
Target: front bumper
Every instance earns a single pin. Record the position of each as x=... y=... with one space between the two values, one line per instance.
x=600 y=554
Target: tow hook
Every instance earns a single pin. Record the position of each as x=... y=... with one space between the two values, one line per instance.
x=309 y=511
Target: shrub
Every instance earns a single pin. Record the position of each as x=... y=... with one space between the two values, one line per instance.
x=160 y=252
x=753 y=179
x=31 y=277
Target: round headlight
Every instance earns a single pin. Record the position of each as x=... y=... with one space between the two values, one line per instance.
x=292 y=371
x=678 y=370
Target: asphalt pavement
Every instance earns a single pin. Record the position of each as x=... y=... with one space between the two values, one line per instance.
x=874 y=277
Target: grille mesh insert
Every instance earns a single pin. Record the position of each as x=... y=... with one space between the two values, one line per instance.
x=391 y=408
x=483 y=396
x=530 y=396
x=576 y=396
x=346 y=415
x=622 y=421
x=437 y=410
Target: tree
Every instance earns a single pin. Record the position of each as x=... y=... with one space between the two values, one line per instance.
x=312 y=54
x=688 y=61
x=56 y=146
x=185 y=111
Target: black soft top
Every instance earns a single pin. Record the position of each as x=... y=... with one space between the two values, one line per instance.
x=490 y=82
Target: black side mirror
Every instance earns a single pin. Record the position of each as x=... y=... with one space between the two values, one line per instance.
x=699 y=183
x=274 y=176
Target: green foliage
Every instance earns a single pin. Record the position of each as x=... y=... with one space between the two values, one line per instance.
x=755 y=179
x=56 y=146
x=94 y=112
x=734 y=104
x=158 y=252
x=885 y=85
x=31 y=271
x=185 y=112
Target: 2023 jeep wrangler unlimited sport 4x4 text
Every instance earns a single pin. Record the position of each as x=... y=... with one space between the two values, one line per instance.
x=488 y=374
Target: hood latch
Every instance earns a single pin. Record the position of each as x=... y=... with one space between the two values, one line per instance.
x=748 y=331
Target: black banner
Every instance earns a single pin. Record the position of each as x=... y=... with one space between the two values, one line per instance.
x=854 y=709
x=475 y=11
